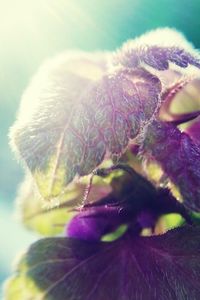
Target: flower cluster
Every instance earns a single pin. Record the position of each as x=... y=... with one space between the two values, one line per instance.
x=115 y=117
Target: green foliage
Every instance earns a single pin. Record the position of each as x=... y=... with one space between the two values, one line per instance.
x=49 y=219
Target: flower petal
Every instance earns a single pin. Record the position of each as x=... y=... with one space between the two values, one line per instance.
x=158 y=267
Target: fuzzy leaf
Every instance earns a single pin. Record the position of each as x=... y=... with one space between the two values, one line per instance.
x=43 y=135
x=132 y=267
x=179 y=156
x=76 y=119
x=157 y=49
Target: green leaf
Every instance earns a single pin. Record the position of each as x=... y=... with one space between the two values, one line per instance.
x=49 y=221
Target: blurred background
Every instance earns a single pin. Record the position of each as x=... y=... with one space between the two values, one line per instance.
x=33 y=30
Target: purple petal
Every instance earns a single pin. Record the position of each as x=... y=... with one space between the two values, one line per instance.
x=92 y=223
x=135 y=202
x=158 y=267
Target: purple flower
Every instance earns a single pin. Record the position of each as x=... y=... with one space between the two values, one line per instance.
x=128 y=107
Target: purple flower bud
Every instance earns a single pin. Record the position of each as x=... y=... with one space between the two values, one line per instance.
x=92 y=223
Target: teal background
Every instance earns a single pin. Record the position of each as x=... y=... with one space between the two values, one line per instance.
x=31 y=31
